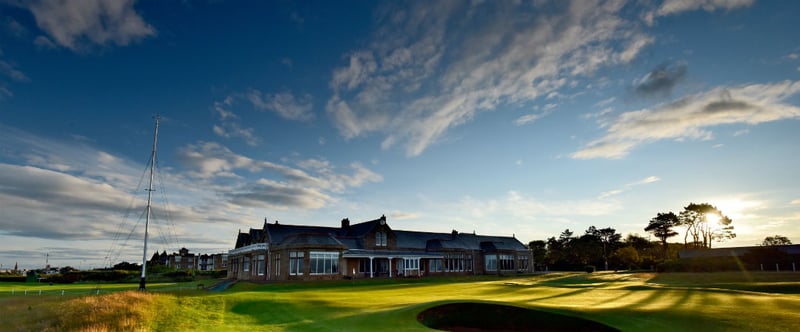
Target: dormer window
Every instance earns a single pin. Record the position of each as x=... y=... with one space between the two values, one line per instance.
x=380 y=239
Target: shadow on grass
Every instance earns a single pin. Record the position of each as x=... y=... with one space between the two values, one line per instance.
x=268 y=312
x=472 y=316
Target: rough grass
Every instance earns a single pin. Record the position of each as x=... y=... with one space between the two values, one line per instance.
x=626 y=301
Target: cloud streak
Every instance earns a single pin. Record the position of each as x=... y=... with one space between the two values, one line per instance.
x=692 y=117
x=661 y=81
x=403 y=88
x=311 y=185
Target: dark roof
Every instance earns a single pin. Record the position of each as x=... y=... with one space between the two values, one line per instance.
x=362 y=228
x=352 y=237
x=317 y=239
x=278 y=232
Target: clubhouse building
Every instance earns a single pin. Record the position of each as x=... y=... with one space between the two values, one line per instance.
x=371 y=249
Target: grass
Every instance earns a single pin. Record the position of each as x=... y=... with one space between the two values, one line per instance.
x=627 y=301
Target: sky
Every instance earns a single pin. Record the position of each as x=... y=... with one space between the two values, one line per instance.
x=513 y=118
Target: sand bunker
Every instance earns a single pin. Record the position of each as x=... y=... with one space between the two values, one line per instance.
x=469 y=316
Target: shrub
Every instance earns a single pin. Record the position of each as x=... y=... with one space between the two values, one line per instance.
x=589 y=268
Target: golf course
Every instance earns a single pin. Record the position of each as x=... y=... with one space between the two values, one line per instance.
x=729 y=301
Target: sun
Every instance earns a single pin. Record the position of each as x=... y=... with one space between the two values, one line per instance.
x=713 y=220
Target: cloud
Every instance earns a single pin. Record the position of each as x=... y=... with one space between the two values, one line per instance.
x=692 y=116
x=278 y=195
x=629 y=186
x=284 y=104
x=672 y=7
x=9 y=70
x=427 y=70
x=529 y=118
x=229 y=127
x=311 y=185
x=661 y=81
x=78 y=24
x=14 y=28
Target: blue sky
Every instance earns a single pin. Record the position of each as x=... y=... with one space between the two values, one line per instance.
x=499 y=117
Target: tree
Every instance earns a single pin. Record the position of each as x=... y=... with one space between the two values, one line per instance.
x=628 y=256
x=608 y=237
x=661 y=227
x=538 y=250
x=704 y=222
x=777 y=240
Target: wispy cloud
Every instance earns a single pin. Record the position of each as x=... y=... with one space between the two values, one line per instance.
x=629 y=186
x=661 y=81
x=310 y=185
x=10 y=70
x=78 y=25
x=229 y=126
x=284 y=104
x=692 y=116
x=518 y=52
x=672 y=7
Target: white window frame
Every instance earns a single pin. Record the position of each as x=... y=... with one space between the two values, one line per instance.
x=296 y=262
x=260 y=265
x=325 y=261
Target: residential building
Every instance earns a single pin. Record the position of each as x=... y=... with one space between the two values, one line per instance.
x=182 y=260
x=368 y=250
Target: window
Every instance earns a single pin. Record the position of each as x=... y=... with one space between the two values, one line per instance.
x=454 y=263
x=411 y=263
x=436 y=265
x=246 y=264
x=522 y=264
x=506 y=262
x=323 y=262
x=380 y=239
x=277 y=264
x=296 y=262
x=468 y=264
x=491 y=262
x=260 y=265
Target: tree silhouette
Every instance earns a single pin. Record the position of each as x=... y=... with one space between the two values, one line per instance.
x=661 y=227
x=777 y=240
x=609 y=237
x=704 y=222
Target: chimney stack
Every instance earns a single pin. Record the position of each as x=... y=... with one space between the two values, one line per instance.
x=345 y=223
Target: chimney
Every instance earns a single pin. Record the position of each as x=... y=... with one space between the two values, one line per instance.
x=345 y=223
x=454 y=234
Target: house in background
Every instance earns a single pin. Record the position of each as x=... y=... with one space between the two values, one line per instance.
x=367 y=250
x=182 y=260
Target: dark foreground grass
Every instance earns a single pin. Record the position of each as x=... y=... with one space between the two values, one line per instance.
x=624 y=301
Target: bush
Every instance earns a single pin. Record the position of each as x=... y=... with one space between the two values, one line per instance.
x=703 y=264
x=12 y=279
x=589 y=268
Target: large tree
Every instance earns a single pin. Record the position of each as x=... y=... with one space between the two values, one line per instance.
x=661 y=227
x=704 y=222
x=777 y=240
x=538 y=251
x=608 y=237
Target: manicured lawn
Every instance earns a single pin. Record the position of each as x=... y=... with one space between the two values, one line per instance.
x=626 y=301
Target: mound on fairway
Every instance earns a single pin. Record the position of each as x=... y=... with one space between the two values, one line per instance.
x=495 y=317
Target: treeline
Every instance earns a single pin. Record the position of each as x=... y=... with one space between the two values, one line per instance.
x=124 y=272
x=602 y=249
x=606 y=249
